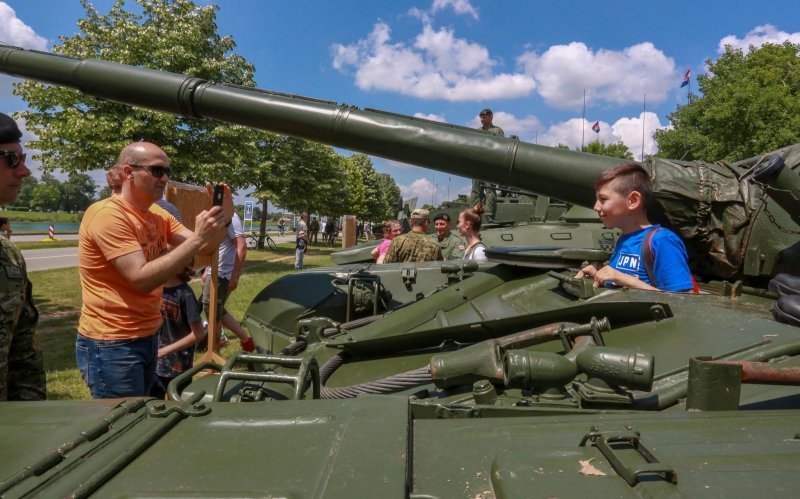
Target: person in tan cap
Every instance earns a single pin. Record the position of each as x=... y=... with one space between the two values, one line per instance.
x=414 y=246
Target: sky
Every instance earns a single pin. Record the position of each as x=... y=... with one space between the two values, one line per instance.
x=529 y=61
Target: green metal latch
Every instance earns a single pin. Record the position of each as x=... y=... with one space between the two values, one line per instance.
x=605 y=441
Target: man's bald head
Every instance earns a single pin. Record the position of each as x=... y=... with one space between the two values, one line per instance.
x=137 y=152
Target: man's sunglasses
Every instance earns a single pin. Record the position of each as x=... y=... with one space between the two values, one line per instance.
x=14 y=158
x=156 y=171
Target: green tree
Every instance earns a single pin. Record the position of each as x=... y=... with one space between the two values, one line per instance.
x=614 y=150
x=77 y=133
x=749 y=104
x=25 y=195
x=390 y=194
x=77 y=192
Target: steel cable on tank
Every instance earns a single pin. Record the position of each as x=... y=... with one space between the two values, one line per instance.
x=391 y=384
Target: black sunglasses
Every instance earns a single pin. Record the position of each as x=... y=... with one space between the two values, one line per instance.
x=156 y=171
x=14 y=158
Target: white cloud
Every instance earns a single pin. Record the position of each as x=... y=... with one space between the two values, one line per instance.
x=431 y=117
x=562 y=73
x=625 y=130
x=421 y=188
x=757 y=37
x=15 y=32
x=460 y=7
x=629 y=131
x=437 y=65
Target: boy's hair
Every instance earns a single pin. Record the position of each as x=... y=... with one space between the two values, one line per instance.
x=631 y=176
x=185 y=275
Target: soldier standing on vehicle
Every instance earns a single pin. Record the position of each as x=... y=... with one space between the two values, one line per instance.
x=481 y=192
x=452 y=246
x=414 y=246
x=21 y=367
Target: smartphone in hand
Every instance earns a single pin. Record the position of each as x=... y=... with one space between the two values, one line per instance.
x=219 y=193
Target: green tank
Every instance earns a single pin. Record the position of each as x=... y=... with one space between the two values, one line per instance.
x=457 y=379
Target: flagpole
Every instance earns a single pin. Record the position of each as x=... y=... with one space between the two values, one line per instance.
x=583 y=119
x=644 y=110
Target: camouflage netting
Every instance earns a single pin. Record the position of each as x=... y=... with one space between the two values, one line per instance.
x=711 y=208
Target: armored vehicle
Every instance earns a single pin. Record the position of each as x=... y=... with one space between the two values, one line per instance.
x=456 y=379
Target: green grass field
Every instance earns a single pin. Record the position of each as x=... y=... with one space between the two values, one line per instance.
x=36 y=216
x=57 y=294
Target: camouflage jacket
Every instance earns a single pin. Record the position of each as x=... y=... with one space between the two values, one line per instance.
x=21 y=367
x=452 y=246
x=495 y=130
x=413 y=247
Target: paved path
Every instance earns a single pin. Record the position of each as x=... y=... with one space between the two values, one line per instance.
x=55 y=258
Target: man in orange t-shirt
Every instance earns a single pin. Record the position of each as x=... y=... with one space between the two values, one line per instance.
x=123 y=263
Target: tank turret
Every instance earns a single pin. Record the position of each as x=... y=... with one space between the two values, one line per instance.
x=721 y=214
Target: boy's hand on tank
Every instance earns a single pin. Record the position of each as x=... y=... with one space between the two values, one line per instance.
x=587 y=271
x=607 y=273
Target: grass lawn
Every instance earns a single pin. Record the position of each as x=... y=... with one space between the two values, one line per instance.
x=36 y=216
x=57 y=294
x=32 y=245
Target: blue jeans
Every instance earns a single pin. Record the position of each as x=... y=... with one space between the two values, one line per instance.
x=117 y=368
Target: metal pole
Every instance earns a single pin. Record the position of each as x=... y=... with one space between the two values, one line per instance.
x=644 y=110
x=583 y=119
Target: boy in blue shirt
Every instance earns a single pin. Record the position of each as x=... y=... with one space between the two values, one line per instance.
x=622 y=194
x=181 y=330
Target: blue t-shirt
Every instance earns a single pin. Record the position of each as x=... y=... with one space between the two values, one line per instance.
x=671 y=265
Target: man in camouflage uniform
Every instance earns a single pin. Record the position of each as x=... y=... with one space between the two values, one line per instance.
x=415 y=246
x=451 y=245
x=21 y=367
x=481 y=191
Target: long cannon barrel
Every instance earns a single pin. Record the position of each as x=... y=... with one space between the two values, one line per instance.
x=449 y=148
x=720 y=210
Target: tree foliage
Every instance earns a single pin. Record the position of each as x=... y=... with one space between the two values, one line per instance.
x=78 y=133
x=614 y=150
x=750 y=104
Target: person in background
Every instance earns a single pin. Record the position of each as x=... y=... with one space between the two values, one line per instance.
x=300 y=246
x=114 y=178
x=5 y=228
x=414 y=246
x=330 y=230
x=313 y=229
x=391 y=229
x=21 y=365
x=281 y=226
x=452 y=246
x=181 y=330
x=469 y=227
x=232 y=252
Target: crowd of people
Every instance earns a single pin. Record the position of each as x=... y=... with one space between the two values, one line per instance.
x=139 y=319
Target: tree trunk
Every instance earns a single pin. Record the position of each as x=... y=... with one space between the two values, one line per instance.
x=262 y=232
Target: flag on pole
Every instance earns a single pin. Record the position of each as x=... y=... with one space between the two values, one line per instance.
x=596 y=127
x=686 y=78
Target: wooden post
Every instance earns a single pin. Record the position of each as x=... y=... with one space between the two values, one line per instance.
x=214 y=316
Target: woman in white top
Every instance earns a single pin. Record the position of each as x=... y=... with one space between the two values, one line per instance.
x=469 y=227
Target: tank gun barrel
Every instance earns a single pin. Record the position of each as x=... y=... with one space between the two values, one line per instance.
x=560 y=173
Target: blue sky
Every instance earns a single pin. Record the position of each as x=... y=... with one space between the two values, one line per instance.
x=530 y=61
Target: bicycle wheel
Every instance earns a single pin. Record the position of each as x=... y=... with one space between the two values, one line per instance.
x=252 y=242
x=268 y=241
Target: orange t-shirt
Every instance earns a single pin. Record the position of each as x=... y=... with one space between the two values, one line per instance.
x=112 y=308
